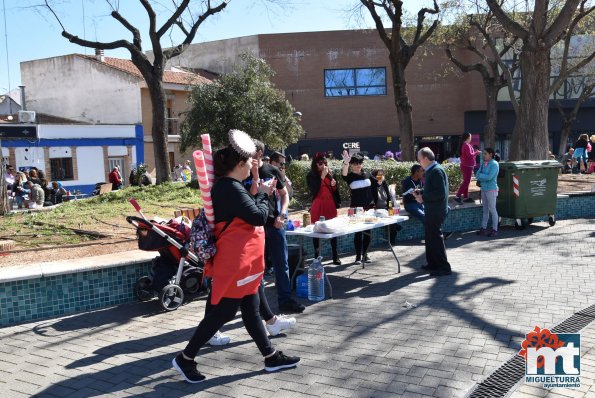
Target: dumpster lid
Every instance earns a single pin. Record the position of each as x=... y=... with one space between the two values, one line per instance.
x=530 y=164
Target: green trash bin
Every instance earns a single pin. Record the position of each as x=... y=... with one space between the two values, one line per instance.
x=528 y=189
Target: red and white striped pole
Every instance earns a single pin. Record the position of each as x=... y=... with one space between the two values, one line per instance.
x=205 y=187
x=208 y=154
x=515 y=186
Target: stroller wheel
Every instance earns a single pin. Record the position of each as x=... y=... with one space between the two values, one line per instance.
x=191 y=282
x=143 y=290
x=171 y=297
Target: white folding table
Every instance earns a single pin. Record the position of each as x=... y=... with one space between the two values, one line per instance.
x=349 y=229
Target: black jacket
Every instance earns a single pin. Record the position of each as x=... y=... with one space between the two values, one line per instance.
x=375 y=192
x=313 y=182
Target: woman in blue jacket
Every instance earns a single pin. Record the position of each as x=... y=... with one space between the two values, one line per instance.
x=486 y=176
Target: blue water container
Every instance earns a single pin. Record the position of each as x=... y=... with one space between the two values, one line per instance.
x=301 y=286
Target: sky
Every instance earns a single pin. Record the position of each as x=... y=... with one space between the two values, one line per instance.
x=32 y=32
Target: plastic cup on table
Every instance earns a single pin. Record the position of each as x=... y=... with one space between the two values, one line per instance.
x=296 y=223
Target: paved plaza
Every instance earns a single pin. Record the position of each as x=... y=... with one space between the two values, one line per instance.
x=366 y=342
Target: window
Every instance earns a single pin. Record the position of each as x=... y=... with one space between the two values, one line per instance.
x=61 y=169
x=350 y=82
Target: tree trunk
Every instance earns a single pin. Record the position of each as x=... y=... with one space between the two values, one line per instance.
x=489 y=129
x=530 y=138
x=564 y=133
x=404 y=111
x=158 y=131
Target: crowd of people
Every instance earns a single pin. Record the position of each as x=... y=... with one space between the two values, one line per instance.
x=250 y=200
x=580 y=158
x=30 y=189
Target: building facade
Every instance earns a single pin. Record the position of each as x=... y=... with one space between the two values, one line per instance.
x=78 y=156
x=341 y=83
x=105 y=90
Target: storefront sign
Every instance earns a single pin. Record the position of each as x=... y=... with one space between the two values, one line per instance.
x=18 y=132
x=433 y=138
x=352 y=147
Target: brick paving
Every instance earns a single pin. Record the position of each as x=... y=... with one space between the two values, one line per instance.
x=364 y=343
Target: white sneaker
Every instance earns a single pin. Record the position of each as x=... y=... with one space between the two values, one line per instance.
x=282 y=322
x=219 y=339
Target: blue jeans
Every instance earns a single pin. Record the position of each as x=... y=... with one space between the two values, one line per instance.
x=416 y=210
x=276 y=246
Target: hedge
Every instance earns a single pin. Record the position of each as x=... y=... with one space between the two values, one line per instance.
x=395 y=172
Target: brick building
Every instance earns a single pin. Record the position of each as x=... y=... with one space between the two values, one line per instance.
x=340 y=81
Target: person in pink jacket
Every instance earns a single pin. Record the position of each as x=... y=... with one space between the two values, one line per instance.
x=468 y=155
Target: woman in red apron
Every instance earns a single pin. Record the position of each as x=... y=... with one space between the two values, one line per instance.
x=325 y=198
x=238 y=266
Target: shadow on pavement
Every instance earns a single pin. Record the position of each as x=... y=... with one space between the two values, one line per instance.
x=138 y=373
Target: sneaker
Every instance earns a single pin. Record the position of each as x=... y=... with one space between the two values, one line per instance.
x=219 y=339
x=292 y=307
x=280 y=361
x=358 y=258
x=367 y=259
x=282 y=322
x=493 y=233
x=336 y=261
x=187 y=368
x=481 y=232
x=469 y=200
x=458 y=200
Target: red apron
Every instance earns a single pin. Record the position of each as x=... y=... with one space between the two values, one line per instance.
x=237 y=267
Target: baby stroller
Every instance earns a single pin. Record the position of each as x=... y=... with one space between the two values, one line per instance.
x=176 y=271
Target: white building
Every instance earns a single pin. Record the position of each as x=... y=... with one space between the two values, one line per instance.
x=105 y=90
x=79 y=156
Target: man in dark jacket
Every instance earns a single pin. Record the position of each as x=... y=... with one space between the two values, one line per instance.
x=435 y=200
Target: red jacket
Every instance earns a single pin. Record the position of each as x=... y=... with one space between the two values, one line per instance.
x=115 y=178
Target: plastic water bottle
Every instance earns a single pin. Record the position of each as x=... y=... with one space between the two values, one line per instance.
x=316 y=280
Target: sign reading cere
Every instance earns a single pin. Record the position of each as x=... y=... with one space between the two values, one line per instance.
x=18 y=132
x=352 y=147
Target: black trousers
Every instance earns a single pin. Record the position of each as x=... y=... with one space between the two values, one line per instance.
x=264 y=309
x=435 y=249
x=357 y=242
x=333 y=247
x=218 y=315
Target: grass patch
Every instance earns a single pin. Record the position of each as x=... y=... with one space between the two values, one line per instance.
x=106 y=214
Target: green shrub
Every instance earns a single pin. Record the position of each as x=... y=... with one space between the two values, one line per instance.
x=395 y=172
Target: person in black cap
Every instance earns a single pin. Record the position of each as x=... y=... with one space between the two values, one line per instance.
x=360 y=184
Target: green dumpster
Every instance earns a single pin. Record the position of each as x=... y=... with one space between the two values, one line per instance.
x=528 y=189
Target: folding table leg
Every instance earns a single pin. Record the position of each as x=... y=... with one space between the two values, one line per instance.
x=328 y=282
x=392 y=250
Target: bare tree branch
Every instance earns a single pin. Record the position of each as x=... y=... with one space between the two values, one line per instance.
x=506 y=21
x=553 y=33
x=467 y=68
x=52 y=11
x=172 y=52
x=170 y=22
x=155 y=43
x=421 y=16
x=135 y=33
x=370 y=5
